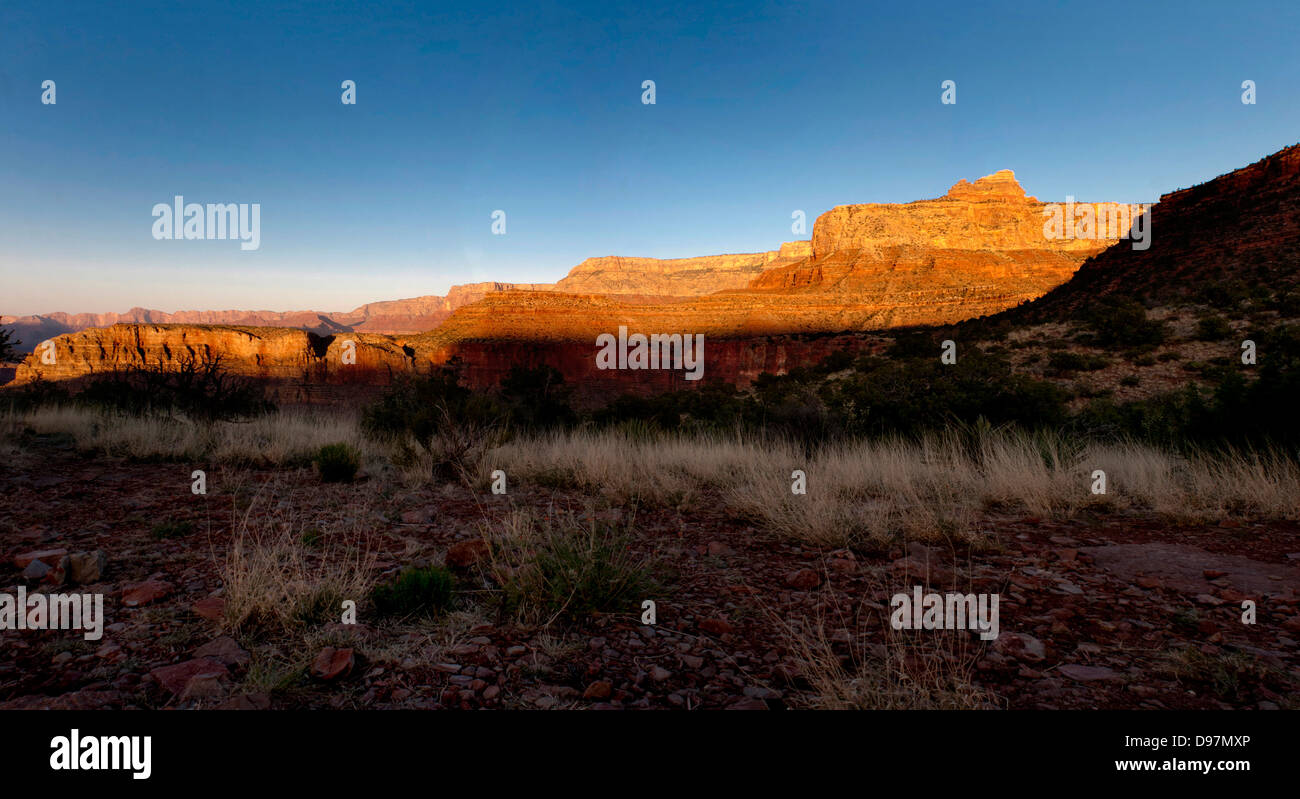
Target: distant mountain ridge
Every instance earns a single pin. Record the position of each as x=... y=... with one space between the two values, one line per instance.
x=644 y=280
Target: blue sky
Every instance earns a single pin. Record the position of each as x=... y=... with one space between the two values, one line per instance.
x=535 y=109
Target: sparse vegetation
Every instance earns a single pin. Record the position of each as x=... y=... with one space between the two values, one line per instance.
x=1213 y=328
x=1123 y=323
x=1068 y=361
x=453 y=425
x=277 y=584
x=337 y=463
x=172 y=528
x=198 y=388
x=565 y=567
x=417 y=590
x=899 y=674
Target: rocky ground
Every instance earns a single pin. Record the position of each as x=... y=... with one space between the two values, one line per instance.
x=1108 y=611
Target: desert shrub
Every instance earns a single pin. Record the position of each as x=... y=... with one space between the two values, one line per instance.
x=424 y=590
x=39 y=393
x=795 y=410
x=8 y=346
x=566 y=568
x=172 y=528
x=1213 y=328
x=836 y=361
x=912 y=396
x=1130 y=381
x=454 y=425
x=1123 y=323
x=914 y=344
x=537 y=399
x=337 y=463
x=415 y=406
x=1167 y=419
x=197 y=387
x=1068 y=361
x=1228 y=294
x=1286 y=303
x=711 y=406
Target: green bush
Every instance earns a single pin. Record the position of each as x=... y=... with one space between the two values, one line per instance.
x=908 y=397
x=337 y=463
x=39 y=393
x=1123 y=323
x=537 y=399
x=424 y=591
x=454 y=425
x=570 y=570
x=172 y=528
x=198 y=387
x=1213 y=328
x=1066 y=361
x=8 y=346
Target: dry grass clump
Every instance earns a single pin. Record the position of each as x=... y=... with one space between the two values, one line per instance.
x=874 y=667
x=282 y=438
x=934 y=489
x=937 y=488
x=565 y=567
x=283 y=572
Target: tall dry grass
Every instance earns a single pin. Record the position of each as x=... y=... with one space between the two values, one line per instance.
x=934 y=489
x=282 y=438
x=938 y=488
x=885 y=669
x=285 y=569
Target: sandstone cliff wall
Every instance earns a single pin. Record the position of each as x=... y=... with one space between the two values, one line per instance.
x=976 y=251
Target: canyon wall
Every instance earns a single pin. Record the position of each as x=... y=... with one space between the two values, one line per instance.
x=992 y=214
x=300 y=367
x=641 y=280
x=977 y=250
x=1238 y=233
x=676 y=277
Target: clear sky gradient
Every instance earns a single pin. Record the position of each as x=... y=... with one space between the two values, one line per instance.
x=535 y=108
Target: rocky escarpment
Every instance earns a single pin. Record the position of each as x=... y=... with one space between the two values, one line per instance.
x=676 y=277
x=643 y=280
x=292 y=363
x=297 y=366
x=978 y=250
x=992 y=214
x=1239 y=232
x=987 y=237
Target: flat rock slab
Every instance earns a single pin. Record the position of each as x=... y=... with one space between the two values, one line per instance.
x=146 y=592
x=226 y=650
x=176 y=677
x=1183 y=568
x=212 y=608
x=1082 y=673
x=50 y=557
